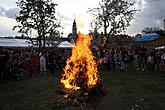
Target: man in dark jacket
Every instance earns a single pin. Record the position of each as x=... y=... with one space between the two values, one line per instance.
x=4 y=56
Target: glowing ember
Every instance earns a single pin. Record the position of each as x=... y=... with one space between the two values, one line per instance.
x=80 y=67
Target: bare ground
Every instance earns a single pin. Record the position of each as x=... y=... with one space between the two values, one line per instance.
x=127 y=91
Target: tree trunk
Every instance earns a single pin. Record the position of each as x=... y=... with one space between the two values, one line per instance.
x=43 y=32
x=44 y=43
x=40 y=43
x=39 y=39
x=108 y=37
x=105 y=33
x=105 y=28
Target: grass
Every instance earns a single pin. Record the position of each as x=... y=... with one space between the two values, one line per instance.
x=127 y=91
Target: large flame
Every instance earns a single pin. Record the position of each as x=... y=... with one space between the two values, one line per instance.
x=80 y=64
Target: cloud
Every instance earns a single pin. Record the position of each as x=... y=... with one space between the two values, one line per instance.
x=151 y=15
x=8 y=4
x=63 y=17
x=2 y=11
x=7 y=21
x=6 y=25
x=11 y=13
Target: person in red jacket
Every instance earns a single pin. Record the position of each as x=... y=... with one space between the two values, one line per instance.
x=33 y=62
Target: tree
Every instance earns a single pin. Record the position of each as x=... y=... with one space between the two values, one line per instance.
x=113 y=16
x=53 y=38
x=38 y=15
x=153 y=30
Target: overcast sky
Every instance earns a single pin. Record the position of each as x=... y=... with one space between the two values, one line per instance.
x=152 y=14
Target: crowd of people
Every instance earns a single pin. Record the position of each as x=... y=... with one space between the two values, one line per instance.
x=127 y=59
x=15 y=62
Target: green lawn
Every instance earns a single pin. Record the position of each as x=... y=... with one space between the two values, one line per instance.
x=127 y=91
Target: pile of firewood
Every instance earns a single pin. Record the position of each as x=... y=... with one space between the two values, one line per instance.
x=76 y=98
x=80 y=98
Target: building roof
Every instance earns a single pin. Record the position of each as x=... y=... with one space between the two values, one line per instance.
x=12 y=42
x=16 y=42
x=147 y=37
x=65 y=44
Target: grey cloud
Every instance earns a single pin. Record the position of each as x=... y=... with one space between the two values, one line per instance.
x=153 y=1
x=11 y=13
x=154 y=10
x=139 y=3
x=151 y=15
x=67 y=24
x=61 y=16
x=2 y=10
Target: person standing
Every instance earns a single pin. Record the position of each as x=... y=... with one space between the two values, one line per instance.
x=158 y=59
x=142 y=57
x=150 y=62
x=42 y=63
x=51 y=63
x=4 y=56
x=33 y=63
x=163 y=61
x=131 y=59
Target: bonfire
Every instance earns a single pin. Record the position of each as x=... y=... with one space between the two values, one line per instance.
x=80 y=80
x=80 y=72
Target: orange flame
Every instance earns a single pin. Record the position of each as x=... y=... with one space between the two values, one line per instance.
x=81 y=62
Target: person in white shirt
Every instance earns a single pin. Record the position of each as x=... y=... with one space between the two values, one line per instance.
x=163 y=61
x=42 y=63
x=163 y=57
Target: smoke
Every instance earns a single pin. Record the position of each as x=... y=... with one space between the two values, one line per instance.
x=80 y=23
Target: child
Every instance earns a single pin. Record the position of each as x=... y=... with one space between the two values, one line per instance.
x=117 y=61
x=150 y=62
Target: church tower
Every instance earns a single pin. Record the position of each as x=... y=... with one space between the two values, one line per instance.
x=74 y=30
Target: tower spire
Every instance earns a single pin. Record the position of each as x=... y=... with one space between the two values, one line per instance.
x=74 y=30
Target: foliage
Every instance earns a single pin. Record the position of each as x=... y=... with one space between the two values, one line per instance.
x=38 y=15
x=113 y=16
x=153 y=30
x=120 y=40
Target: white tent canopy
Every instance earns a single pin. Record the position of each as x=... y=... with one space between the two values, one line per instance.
x=12 y=42
x=65 y=44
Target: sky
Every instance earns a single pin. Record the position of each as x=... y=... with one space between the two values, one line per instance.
x=151 y=14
